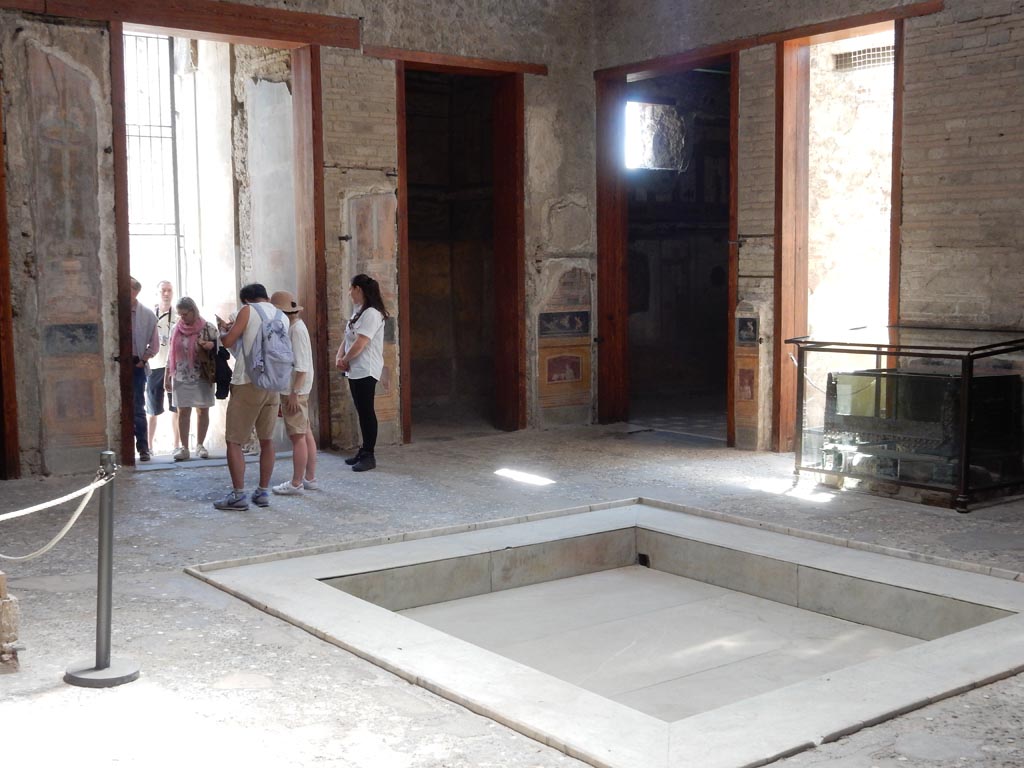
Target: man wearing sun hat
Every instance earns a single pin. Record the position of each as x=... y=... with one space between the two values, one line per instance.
x=295 y=402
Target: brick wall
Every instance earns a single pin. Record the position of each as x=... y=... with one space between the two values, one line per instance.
x=360 y=158
x=963 y=167
x=756 y=221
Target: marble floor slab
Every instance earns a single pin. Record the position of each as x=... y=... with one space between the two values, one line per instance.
x=662 y=644
x=630 y=667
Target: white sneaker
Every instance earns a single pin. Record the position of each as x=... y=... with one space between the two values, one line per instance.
x=201 y=452
x=180 y=454
x=311 y=485
x=287 y=489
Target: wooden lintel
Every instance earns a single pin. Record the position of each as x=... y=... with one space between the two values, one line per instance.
x=208 y=17
x=675 y=62
x=461 y=65
x=32 y=6
x=864 y=20
x=666 y=64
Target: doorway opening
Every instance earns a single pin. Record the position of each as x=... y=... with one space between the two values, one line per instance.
x=837 y=236
x=212 y=191
x=451 y=252
x=677 y=186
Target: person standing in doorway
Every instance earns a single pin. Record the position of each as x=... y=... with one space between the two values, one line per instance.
x=145 y=343
x=295 y=402
x=248 y=406
x=361 y=359
x=155 y=392
x=191 y=374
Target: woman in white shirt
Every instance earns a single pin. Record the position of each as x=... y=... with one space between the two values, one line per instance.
x=361 y=358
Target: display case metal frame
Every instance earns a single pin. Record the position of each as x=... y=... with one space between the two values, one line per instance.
x=963 y=494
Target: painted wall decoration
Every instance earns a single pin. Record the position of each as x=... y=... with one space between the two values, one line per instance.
x=564 y=368
x=746 y=331
x=564 y=343
x=745 y=384
x=66 y=213
x=556 y=324
x=565 y=376
x=573 y=290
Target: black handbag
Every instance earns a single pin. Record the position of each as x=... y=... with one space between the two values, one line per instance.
x=223 y=374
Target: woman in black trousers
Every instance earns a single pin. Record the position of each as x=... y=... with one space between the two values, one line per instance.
x=361 y=358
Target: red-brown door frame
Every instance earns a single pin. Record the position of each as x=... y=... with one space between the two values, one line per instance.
x=792 y=63
x=310 y=220
x=312 y=270
x=612 y=353
x=210 y=19
x=791 y=210
x=10 y=464
x=613 y=234
x=509 y=226
x=612 y=266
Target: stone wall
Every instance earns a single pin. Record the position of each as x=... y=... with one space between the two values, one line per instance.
x=963 y=156
x=8 y=628
x=630 y=33
x=756 y=233
x=263 y=158
x=963 y=180
x=61 y=238
x=360 y=169
x=963 y=167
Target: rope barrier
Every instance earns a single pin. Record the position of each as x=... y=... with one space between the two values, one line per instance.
x=102 y=478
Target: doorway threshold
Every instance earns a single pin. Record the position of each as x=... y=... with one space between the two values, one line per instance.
x=166 y=461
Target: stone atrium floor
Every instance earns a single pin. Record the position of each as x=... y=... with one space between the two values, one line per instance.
x=223 y=683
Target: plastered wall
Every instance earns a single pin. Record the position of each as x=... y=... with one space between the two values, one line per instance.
x=963 y=148
x=61 y=239
x=962 y=179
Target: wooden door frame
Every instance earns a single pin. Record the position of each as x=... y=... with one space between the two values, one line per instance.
x=791 y=210
x=10 y=461
x=612 y=327
x=613 y=394
x=792 y=61
x=613 y=230
x=509 y=223
x=212 y=20
x=307 y=113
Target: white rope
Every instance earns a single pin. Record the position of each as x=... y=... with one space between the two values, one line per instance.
x=101 y=479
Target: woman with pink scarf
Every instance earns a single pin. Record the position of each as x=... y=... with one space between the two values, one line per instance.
x=191 y=373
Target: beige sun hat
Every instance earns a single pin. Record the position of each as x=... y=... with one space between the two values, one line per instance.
x=284 y=301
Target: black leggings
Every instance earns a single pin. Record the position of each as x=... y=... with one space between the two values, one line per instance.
x=362 y=395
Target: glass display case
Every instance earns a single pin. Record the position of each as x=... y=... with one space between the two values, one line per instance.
x=931 y=408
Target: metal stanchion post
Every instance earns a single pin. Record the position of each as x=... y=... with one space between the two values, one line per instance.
x=104 y=673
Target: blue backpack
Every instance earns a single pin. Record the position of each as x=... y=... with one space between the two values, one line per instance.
x=270 y=361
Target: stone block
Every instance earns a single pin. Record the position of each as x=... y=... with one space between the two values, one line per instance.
x=9 y=614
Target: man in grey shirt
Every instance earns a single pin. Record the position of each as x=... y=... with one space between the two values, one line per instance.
x=145 y=344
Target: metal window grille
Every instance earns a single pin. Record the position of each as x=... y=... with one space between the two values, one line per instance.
x=153 y=222
x=866 y=58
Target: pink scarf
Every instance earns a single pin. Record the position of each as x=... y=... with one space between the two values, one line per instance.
x=183 y=341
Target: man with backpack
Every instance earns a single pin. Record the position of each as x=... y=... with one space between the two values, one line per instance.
x=258 y=339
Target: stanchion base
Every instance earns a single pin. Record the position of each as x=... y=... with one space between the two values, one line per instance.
x=87 y=676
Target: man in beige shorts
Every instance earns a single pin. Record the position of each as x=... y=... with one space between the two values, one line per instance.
x=295 y=402
x=248 y=406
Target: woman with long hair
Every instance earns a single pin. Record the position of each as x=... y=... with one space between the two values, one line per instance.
x=191 y=373
x=361 y=358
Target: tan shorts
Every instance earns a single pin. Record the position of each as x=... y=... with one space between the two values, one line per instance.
x=296 y=423
x=248 y=407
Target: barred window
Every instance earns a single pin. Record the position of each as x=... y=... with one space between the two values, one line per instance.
x=866 y=58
